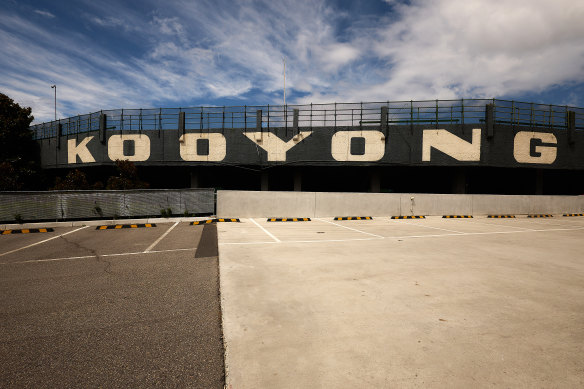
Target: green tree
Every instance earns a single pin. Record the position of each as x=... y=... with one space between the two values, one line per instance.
x=127 y=177
x=19 y=153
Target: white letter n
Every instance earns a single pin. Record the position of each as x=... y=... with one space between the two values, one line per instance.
x=452 y=145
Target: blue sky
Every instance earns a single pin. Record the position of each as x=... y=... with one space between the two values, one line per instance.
x=112 y=54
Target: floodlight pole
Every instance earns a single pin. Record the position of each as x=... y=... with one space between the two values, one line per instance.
x=284 y=60
x=55 y=88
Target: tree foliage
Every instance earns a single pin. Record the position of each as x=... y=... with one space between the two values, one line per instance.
x=9 y=177
x=75 y=180
x=126 y=178
x=19 y=153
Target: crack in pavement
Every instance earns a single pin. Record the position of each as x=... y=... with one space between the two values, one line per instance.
x=99 y=259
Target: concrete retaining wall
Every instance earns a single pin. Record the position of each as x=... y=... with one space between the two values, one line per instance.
x=324 y=204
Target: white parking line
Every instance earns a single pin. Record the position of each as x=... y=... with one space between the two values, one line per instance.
x=94 y=256
x=496 y=224
x=266 y=231
x=460 y=234
x=579 y=221
x=162 y=237
x=418 y=224
x=42 y=241
x=550 y=222
x=349 y=228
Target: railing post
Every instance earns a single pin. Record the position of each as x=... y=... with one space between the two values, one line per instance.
x=181 y=123
x=259 y=120
x=59 y=133
x=295 y=118
x=159 y=120
x=384 y=111
x=489 y=119
x=462 y=113
x=102 y=126
x=436 y=113
x=412 y=116
x=571 y=124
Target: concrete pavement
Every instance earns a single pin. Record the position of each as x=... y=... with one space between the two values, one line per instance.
x=404 y=303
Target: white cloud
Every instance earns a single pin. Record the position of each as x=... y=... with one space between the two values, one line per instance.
x=109 y=21
x=477 y=48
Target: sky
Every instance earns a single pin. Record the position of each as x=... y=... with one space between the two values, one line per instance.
x=112 y=54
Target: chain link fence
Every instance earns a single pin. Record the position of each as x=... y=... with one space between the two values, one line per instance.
x=111 y=204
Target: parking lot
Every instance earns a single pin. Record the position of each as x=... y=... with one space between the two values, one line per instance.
x=403 y=303
x=130 y=307
x=321 y=303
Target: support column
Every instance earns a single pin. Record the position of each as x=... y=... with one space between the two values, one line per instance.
x=459 y=181
x=265 y=181
x=539 y=182
x=374 y=180
x=194 y=178
x=297 y=180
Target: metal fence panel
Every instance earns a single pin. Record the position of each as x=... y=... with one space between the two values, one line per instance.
x=29 y=206
x=82 y=205
x=459 y=111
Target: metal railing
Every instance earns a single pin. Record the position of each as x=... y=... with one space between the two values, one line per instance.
x=104 y=204
x=429 y=112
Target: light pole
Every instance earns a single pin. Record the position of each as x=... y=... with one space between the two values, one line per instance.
x=284 y=60
x=55 y=88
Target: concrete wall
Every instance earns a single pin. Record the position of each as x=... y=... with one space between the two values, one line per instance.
x=324 y=204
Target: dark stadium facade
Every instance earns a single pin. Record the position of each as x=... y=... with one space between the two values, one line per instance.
x=439 y=146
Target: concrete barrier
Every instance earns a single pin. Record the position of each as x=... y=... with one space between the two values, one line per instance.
x=324 y=204
x=265 y=204
x=356 y=204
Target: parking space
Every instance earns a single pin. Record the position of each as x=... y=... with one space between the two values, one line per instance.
x=403 y=303
x=129 y=307
x=260 y=231
x=86 y=241
x=12 y=242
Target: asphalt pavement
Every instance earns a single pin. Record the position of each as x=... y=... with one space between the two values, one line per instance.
x=136 y=307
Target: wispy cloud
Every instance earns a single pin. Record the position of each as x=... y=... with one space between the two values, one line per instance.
x=196 y=53
x=46 y=14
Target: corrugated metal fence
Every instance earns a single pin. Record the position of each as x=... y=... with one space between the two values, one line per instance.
x=91 y=204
